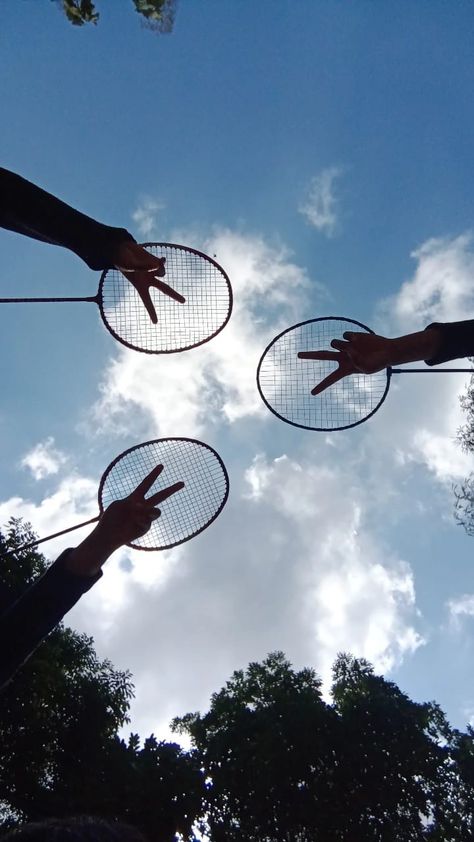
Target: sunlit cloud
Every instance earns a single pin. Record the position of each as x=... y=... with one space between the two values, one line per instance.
x=321 y=204
x=442 y=287
x=460 y=607
x=44 y=459
x=73 y=501
x=354 y=593
x=145 y=217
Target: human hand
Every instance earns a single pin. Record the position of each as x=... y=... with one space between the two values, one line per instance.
x=360 y=353
x=125 y=520
x=122 y=522
x=143 y=269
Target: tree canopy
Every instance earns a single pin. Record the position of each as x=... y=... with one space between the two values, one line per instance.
x=60 y=749
x=283 y=764
x=464 y=492
x=158 y=14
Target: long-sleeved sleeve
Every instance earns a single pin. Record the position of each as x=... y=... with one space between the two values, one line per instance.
x=27 y=209
x=30 y=618
x=457 y=340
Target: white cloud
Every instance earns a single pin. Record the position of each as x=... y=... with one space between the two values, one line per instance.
x=320 y=207
x=43 y=459
x=425 y=413
x=145 y=217
x=442 y=288
x=356 y=596
x=463 y=606
x=74 y=501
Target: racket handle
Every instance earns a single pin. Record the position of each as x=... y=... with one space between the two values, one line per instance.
x=54 y=535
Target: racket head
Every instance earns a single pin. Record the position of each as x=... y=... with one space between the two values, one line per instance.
x=187 y=512
x=285 y=381
x=205 y=312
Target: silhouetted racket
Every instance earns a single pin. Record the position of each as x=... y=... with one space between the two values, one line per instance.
x=193 y=482
x=287 y=382
x=193 y=302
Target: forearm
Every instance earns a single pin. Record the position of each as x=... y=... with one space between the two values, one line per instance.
x=423 y=345
x=37 y=611
x=88 y=558
x=29 y=210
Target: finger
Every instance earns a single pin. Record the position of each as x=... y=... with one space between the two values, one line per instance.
x=165 y=493
x=351 y=335
x=318 y=355
x=328 y=381
x=142 y=525
x=340 y=345
x=167 y=290
x=147 y=483
x=146 y=263
x=159 y=270
x=145 y=297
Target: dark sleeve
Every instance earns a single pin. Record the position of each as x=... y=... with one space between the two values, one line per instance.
x=27 y=209
x=457 y=341
x=27 y=621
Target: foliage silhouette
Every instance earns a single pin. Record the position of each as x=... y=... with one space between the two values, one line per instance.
x=158 y=14
x=464 y=492
x=282 y=764
x=60 y=749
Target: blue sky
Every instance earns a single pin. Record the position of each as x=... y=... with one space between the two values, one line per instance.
x=323 y=151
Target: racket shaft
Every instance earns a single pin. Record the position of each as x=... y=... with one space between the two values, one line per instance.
x=54 y=535
x=45 y=300
x=431 y=370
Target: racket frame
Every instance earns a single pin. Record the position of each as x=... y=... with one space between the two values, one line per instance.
x=188 y=250
x=156 y=441
x=303 y=426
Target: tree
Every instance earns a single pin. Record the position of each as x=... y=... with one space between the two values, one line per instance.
x=158 y=14
x=60 y=752
x=464 y=492
x=282 y=764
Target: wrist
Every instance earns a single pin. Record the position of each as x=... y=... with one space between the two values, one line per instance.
x=91 y=554
x=414 y=347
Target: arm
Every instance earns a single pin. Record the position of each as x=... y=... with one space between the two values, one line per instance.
x=42 y=606
x=456 y=341
x=29 y=210
x=367 y=353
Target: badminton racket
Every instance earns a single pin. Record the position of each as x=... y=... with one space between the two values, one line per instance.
x=193 y=305
x=310 y=393
x=186 y=474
